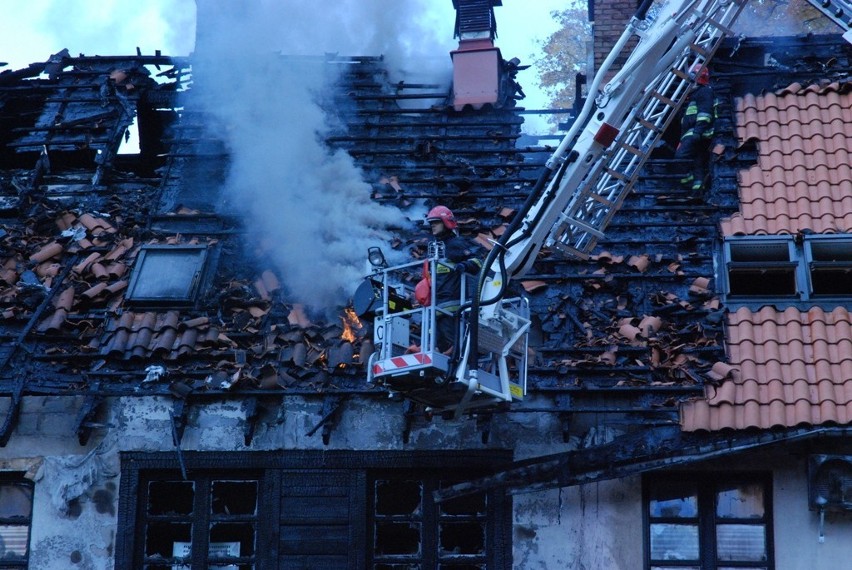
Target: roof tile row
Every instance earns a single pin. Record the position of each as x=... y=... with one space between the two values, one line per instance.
x=803 y=178
x=790 y=368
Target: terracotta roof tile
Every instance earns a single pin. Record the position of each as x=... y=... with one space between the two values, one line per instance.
x=62 y=306
x=46 y=252
x=802 y=179
x=790 y=368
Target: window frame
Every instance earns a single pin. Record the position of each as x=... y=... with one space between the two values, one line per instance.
x=201 y=518
x=810 y=263
x=801 y=261
x=431 y=517
x=16 y=478
x=707 y=485
x=353 y=467
x=137 y=275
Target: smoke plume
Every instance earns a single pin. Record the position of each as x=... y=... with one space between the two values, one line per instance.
x=307 y=207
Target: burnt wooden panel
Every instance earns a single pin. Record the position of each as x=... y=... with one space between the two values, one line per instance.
x=317 y=519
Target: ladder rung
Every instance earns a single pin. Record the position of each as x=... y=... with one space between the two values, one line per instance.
x=583 y=226
x=720 y=26
x=572 y=251
x=681 y=74
x=648 y=125
x=662 y=99
x=631 y=149
x=700 y=51
x=600 y=199
x=617 y=175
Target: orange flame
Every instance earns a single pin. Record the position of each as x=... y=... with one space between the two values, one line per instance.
x=351 y=324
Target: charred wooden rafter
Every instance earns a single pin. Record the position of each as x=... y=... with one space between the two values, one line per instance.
x=410 y=412
x=252 y=408
x=330 y=415
x=629 y=455
x=179 y=415
x=86 y=416
x=19 y=384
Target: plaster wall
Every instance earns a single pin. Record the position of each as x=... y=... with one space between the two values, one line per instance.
x=595 y=526
x=797 y=530
x=588 y=527
x=76 y=487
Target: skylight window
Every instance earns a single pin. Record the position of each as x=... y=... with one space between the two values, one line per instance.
x=167 y=274
x=762 y=268
x=783 y=269
x=830 y=265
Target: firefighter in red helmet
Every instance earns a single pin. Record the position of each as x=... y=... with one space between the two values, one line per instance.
x=696 y=125
x=459 y=257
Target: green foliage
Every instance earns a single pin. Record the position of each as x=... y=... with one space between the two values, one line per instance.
x=564 y=54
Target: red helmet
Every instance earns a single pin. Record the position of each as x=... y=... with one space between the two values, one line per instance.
x=700 y=74
x=443 y=214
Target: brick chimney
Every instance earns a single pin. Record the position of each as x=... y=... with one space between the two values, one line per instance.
x=609 y=18
x=477 y=63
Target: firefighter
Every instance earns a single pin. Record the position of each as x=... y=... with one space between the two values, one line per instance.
x=459 y=257
x=697 y=130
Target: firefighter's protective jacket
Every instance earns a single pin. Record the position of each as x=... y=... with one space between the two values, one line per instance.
x=457 y=251
x=700 y=114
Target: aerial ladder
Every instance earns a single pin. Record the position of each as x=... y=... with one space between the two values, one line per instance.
x=582 y=186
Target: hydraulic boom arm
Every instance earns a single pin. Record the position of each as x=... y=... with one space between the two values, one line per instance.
x=583 y=185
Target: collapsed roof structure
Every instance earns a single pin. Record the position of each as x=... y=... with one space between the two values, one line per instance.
x=149 y=331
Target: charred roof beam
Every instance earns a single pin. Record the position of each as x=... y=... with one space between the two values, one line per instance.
x=17 y=394
x=330 y=412
x=86 y=416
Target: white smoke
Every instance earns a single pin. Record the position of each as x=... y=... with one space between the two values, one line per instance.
x=307 y=208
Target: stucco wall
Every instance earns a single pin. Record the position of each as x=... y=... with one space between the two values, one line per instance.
x=82 y=533
x=797 y=528
x=596 y=526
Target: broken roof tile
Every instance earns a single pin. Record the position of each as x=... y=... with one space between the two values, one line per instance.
x=639 y=262
x=485 y=240
x=47 y=251
x=787 y=368
x=297 y=317
x=95 y=225
x=531 y=285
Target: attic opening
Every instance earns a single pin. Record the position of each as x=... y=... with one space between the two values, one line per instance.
x=82 y=121
x=143 y=147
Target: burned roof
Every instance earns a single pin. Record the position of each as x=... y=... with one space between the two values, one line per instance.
x=631 y=331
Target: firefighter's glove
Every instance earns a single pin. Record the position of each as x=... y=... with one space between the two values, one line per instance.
x=460 y=268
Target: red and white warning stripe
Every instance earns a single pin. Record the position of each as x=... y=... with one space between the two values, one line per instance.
x=404 y=361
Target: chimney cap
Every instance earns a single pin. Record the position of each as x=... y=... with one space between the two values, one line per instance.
x=475 y=18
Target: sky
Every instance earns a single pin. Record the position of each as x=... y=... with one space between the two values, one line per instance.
x=289 y=187
x=32 y=30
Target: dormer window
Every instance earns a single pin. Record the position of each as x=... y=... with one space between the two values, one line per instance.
x=167 y=275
